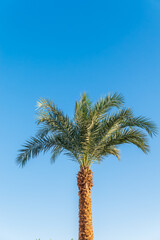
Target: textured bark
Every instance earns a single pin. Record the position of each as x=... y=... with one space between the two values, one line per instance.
x=85 y=183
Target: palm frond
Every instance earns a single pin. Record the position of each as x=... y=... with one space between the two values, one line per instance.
x=49 y=114
x=133 y=136
x=56 y=151
x=33 y=147
x=104 y=152
x=107 y=103
x=141 y=122
x=44 y=130
x=114 y=122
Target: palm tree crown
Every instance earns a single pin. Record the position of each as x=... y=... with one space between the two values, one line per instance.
x=95 y=132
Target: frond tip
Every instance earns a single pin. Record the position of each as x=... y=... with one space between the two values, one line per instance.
x=33 y=147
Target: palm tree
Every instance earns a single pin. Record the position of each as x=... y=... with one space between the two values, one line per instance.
x=95 y=132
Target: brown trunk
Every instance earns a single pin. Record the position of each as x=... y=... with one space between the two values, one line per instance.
x=85 y=183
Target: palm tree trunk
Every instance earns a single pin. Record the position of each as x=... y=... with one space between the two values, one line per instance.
x=85 y=183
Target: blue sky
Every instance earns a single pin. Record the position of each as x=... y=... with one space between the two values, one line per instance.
x=58 y=49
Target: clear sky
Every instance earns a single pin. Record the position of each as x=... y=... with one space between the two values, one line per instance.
x=58 y=49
